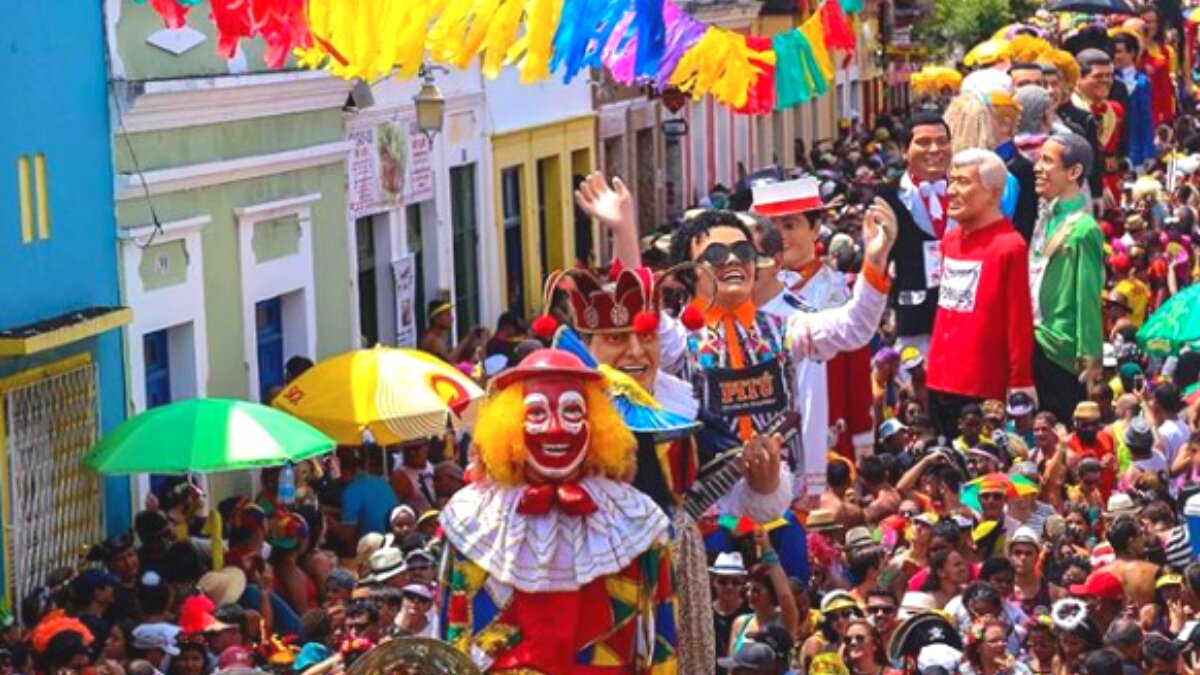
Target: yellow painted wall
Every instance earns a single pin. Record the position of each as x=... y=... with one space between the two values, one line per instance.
x=560 y=149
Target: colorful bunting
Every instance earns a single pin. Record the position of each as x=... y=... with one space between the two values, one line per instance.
x=637 y=41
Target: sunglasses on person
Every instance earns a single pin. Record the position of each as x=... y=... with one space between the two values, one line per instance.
x=841 y=614
x=910 y=514
x=856 y=639
x=718 y=254
x=991 y=496
x=358 y=626
x=885 y=610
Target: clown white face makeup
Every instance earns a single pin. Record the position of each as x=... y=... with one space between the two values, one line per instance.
x=556 y=428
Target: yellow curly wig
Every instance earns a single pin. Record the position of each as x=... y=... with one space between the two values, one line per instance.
x=1067 y=68
x=1027 y=48
x=500 y=435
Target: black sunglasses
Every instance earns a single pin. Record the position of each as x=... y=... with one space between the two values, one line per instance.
x=881 y=609
x=718 y=254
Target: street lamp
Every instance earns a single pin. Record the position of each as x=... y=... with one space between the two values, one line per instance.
x=430 y=103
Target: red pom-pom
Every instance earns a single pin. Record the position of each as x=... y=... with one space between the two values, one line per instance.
x=645 y=323
x=692 y=318
x=544 y=327
x=819 y=249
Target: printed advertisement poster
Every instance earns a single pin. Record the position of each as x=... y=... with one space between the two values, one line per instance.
x=404 y=273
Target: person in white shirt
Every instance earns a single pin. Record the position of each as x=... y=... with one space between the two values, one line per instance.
x=1164 y=407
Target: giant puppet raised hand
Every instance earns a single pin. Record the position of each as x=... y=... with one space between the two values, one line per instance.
x=879 y=234
x=614 y=207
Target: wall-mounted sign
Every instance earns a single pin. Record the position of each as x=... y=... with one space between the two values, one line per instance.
x=390 y=166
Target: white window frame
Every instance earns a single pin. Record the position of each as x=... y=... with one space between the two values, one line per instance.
x=163 y=309
x=279 y=277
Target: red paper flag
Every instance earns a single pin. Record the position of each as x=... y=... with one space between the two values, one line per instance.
x=838 y=34
x=172 y=13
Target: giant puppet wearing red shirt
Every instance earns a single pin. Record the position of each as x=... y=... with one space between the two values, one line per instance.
x=982 y=344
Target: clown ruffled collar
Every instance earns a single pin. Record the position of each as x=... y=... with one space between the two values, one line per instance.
x=554 y=551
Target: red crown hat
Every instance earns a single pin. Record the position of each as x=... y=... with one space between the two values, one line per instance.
x=630 y=303
x=790 y=196
x=627 y=304
x=544 y=362
x=600 y=310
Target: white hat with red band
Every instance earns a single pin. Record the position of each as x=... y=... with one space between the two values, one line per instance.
x=792 y=196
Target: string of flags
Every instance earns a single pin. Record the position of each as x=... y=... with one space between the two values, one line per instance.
x=638 y=42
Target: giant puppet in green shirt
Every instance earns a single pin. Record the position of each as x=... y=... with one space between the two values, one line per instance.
x=1066 y=262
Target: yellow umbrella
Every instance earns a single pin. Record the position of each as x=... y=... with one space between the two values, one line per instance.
x=397 y=394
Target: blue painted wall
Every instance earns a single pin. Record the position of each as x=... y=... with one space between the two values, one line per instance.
x=54 y=74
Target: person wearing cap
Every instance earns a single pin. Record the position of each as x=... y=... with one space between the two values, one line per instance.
x=1144 y=458
x=985 y=261
x=1090 y=440
x=439 y=334
x=754 y=658
x=913 y=368
x=552 y=526
x=893 y=436
x=1066 y=272
x=921 y=205
x=1031 y=589
x=414 y=617
x=728 y=574
x=838 y=609
x=156 y=643
x=1020 y=408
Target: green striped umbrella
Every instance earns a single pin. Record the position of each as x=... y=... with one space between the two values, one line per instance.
x=1175 y=324
x=206 y=435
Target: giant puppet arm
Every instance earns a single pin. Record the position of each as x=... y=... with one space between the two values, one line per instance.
x=614 y=207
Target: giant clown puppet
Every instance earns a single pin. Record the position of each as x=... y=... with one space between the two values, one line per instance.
x=555 y=565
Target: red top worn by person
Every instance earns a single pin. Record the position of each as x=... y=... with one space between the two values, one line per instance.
x=982 y=343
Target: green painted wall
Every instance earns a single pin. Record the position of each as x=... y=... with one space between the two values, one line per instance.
x=144 y=61
x=222 y=267
x=163 y=265
x=275 y=239
x=212 y=142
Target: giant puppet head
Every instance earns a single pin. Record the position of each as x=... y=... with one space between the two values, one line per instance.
x=550 y=420
x=618 y=320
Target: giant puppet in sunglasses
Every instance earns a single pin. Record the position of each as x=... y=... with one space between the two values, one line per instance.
x=740 y=360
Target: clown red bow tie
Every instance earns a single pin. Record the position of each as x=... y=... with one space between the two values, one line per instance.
x=572 y=499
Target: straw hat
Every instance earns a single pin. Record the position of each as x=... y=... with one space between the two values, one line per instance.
x=224 y=586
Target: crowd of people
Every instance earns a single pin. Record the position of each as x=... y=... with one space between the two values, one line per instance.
x=887 y=414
